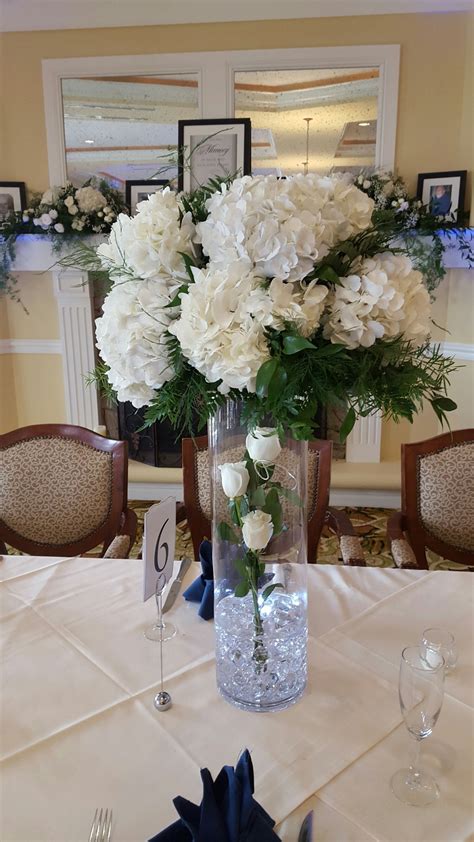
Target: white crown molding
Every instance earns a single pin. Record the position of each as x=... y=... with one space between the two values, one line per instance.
x=31 y=15
x=30 y=346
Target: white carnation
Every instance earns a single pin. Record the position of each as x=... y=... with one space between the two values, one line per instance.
x=279 y=227
x=89 y=199
x=148 y=244
x=383 y=299
x=131 y=338
x=217 y=330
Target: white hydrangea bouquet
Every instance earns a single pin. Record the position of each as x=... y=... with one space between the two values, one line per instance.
x=278 y=292
x=281 y=295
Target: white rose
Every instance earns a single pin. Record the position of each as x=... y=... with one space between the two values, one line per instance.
x=36 y=221
x=45 y=220
x=73 y=209
x=235 y=478
x=53 y=213
x=366 y=184
x=257 y=529
x=68 y=201
x=263 y=445
x=25 y=217
x=100 y=214
x=107 y=209
x=59 y=227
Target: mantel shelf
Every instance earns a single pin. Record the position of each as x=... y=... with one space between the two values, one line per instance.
x=34 y=252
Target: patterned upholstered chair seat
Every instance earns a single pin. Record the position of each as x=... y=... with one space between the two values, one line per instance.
x=63 y=492
x=198 y=498
x=437 y=501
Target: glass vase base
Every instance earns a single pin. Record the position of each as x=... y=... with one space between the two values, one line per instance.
x=423 y=791
x=264 y=707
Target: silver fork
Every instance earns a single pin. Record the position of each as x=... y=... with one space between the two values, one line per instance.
x=101 y=826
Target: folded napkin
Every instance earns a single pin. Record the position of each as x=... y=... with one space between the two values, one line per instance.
x=227 y=813
x=202 y=589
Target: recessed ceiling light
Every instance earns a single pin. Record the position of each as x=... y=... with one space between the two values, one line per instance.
x=98 y=116
x=89 y=141
x=360 y=124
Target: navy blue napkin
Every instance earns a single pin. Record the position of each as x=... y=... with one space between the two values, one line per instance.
x=227 y=813
x=202 y=589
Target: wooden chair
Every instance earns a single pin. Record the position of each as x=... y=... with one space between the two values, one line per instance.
x=63 y=491
x=437 y=501
x=198 y=499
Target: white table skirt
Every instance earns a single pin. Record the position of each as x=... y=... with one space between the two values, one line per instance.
x=79 y=729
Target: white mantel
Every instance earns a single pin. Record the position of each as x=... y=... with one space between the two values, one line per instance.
x=34 y=254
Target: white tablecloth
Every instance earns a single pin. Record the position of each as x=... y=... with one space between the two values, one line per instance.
x=79 y=729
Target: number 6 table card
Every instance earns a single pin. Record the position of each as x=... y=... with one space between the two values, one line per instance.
x=159 y=535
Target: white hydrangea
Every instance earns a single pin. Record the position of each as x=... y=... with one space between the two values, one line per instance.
x=89 y=199
x=383 y=298
x=279 y=227
x=216 y=329
x=131 y=339
x=148 y=244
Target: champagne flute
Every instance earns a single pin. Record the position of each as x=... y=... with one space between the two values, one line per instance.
x=421 y=686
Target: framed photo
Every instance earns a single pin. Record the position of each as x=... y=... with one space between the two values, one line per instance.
x=12 y=198
x=210 y=148
x=138 y=191
x=443 y=192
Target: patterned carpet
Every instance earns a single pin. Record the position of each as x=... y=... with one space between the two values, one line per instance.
x=370 y=524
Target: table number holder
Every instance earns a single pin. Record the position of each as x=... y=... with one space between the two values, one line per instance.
x=162 y=700
x=159 y=535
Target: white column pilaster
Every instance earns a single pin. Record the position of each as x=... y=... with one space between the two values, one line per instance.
x=363 y=444
x=74 y=297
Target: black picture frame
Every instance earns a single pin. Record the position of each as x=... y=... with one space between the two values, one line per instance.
x=454 y=184
x=238 y=154
x=133 y=192
x=12 y=198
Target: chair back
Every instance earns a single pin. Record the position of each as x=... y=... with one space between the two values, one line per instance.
x=198 y=492
x=438 y=496
x=63 y=489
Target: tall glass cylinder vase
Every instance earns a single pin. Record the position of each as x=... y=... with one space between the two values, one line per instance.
x=259 y=558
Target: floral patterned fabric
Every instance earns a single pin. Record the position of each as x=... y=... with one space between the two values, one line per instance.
x=54 y=490
x=446 y=494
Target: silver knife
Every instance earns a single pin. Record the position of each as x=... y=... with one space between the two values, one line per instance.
x=176 y=586
x=306 y=830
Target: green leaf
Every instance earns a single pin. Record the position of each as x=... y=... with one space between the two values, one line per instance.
x=226 y=533
x=347 y=424
x=277 y=382
x=258 y=497
x=269 y=590
x=264 y=376
x=327 y=273
x=329 y=350
x=176 y=301
x=446 y=404
x=295 y=344
x=273 y=508
x=233 y=513
x=241 y=566
x=290 y=495
x=242 y=589
x=189 y=263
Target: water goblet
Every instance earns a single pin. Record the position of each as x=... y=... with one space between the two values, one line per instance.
x=436 y=642
x=421 y=687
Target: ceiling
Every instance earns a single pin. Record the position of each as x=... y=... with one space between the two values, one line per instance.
x=32 y=15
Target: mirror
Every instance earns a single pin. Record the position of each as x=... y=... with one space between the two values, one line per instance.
x=322 y=120
x=123 y=128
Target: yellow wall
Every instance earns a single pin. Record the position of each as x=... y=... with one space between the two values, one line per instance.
x=436 y=67
x=434 y=133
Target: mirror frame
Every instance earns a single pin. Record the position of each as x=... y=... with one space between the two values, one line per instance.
x=215 y=72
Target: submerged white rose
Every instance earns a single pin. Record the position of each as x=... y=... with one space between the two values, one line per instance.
x=257 y=529
x=235 y=478
x=263 y=445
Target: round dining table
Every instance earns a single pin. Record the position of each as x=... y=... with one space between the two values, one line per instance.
x=79 y=728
